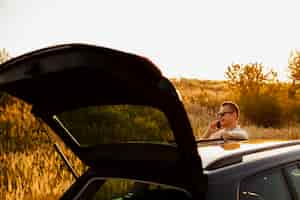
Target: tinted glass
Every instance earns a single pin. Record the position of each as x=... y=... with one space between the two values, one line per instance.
x=119 y=189
x=116 y=124
x=293 y=175
x=267 y=186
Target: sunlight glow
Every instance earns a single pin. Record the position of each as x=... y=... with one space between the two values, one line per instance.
x=193 y=39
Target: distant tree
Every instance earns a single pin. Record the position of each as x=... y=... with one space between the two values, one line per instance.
x=294 y=72
x=294 y=65
x=4 y=56
x=249 y=79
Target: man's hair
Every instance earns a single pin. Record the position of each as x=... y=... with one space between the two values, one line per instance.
x=233 y=106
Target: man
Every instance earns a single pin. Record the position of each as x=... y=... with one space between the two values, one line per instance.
x=226 y=126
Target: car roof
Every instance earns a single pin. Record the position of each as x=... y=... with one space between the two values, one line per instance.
x=218 y=153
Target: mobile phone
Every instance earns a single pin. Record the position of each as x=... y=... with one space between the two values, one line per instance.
x=218 y=124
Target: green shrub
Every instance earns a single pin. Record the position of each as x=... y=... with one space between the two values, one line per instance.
x=262 y=110
x=117 y=123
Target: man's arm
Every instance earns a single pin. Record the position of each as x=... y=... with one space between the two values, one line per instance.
x=212 y=128
x=207 y=133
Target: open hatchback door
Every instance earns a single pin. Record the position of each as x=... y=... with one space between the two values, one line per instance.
x=114 y=110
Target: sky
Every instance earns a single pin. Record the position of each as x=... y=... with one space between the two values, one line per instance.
x=188 y=39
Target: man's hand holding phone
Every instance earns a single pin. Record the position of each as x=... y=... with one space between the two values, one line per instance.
x=213 y=127
x=219 y=124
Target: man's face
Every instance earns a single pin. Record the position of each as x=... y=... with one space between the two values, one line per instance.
x=227 y=116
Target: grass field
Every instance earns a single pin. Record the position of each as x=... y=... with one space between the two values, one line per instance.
x=31 y=169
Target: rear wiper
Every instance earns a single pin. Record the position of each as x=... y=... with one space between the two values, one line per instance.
x=64 y=158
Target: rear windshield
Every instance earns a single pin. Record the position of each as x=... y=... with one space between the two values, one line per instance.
x=117 y=124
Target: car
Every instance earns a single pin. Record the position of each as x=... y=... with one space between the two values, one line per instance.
x=251 y=169
x=126 y=122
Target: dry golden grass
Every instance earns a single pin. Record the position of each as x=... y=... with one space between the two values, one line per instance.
x=201 y=92
x=33 y=174
x=288 y=133
x=30 y=167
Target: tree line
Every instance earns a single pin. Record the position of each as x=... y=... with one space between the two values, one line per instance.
x=263 y=99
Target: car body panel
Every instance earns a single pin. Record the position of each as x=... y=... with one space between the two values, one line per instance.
x=214 y=151
x=224 y=182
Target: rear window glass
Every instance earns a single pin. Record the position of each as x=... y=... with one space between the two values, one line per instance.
x=117 y=124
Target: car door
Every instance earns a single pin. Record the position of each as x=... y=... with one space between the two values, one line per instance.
x=63 y=79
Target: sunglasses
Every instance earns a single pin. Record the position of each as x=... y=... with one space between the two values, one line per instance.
x=221 y=114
